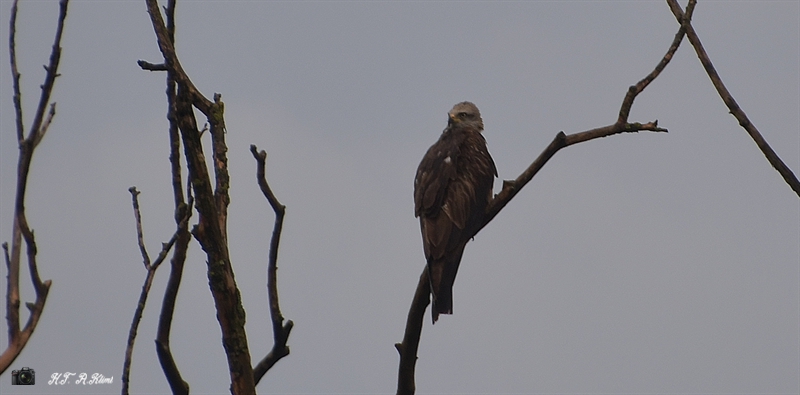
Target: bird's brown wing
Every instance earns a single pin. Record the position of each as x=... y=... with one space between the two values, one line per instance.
x=436 y=176
x=453 y=185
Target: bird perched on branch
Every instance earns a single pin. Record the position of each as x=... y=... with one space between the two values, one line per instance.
x=451 y=190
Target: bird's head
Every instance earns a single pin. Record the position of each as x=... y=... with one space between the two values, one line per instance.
x=465 y=114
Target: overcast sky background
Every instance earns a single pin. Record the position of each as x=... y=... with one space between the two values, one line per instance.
x=638 y=263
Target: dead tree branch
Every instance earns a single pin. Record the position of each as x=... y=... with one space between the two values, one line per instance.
x=211 y=205
x=148 y=282
x=180 y=239
x=171 y=61
x=280 y=331
x=726 y=96
x=408 y=348
x=165 y=357
x=17 y=339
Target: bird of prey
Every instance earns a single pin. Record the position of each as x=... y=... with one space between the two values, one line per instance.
x=451 y=190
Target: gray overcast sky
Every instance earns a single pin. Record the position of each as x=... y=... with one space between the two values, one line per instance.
x=638 y=263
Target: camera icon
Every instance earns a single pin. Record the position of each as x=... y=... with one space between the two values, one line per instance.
x=24 y=376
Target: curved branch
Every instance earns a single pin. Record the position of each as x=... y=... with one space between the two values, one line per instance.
x=280 y=331
x=634 y=90
x=512 y=187
x=726 y=96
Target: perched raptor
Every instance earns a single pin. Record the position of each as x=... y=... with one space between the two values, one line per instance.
x=451 y=190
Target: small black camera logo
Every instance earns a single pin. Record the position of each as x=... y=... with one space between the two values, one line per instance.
x=24 y=376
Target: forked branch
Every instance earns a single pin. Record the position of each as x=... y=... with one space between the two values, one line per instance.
x=181 y=238
x=211 y=204
x=148 y=282
x=17 y=339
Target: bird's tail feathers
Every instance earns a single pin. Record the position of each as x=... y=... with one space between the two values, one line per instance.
x=441 y=285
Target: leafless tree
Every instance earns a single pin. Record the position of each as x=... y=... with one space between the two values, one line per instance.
x=17 y=339
x=408 y=348
x=210 y=230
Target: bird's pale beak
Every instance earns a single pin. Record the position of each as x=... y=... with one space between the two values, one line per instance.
x=452 y=118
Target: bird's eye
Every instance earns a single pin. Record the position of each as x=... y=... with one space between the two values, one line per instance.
x=462 y=115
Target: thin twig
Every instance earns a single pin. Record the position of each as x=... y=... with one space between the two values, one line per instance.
x=139 y=234
x=137 y=317
x=280 y=331
x=50 y=76
x=148 y=282
x=5 y=253
x=145 y=65
x=634 y=90
x=12 y=37
x=726 y=96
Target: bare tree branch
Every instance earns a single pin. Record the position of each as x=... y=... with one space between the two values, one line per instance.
x=280 y=331
x=165 y=357
x=512 y=187
x=46 y=125
x=211 y=205
x=726 y=96
x=168 y=365
x=634 y=90
x=18 y=339
x=12 y=49
x=216 y=120
x=145 y=65
x=408 y=348
x=171 y=59
x=139 y=233
x=148 y=282
x=50 y=76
